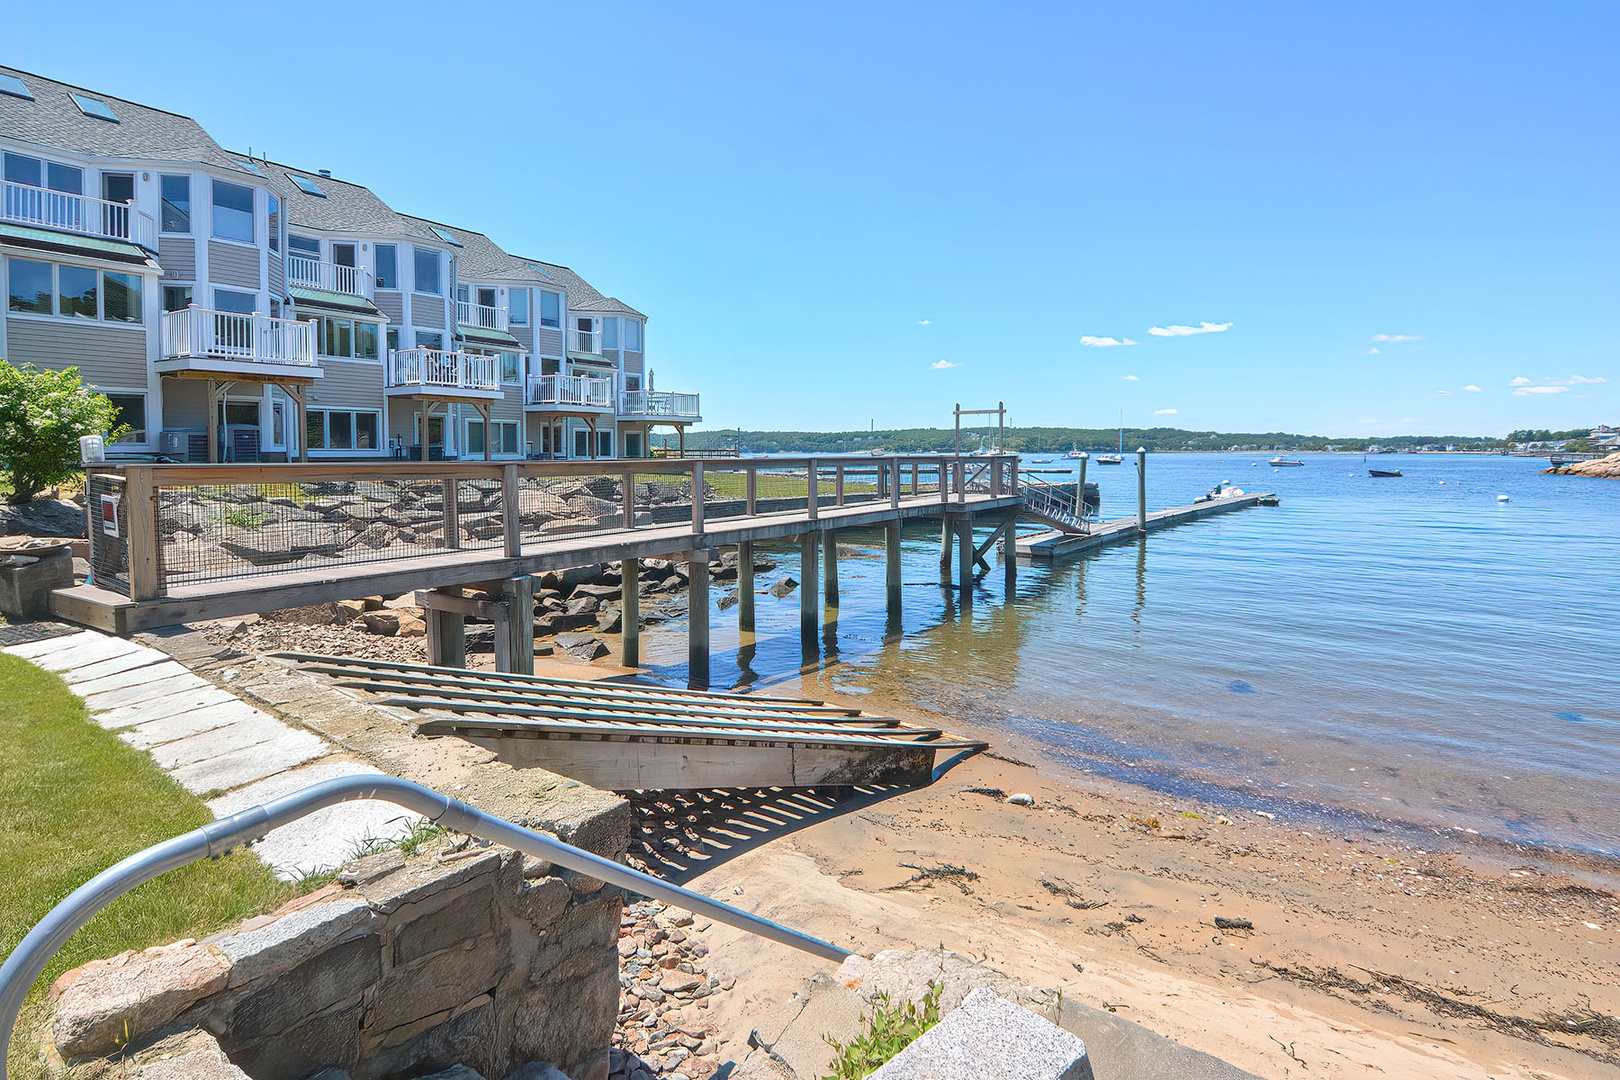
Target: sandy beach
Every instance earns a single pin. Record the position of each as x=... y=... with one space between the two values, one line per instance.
x=1369 y=953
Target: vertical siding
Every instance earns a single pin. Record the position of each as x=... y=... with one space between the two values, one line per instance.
x=392 y=304
x=278 y=276
x=427 y=310
x=104 y=355
x=348 y=384
x=178 y=257
x=548 y=341
x=232 y=264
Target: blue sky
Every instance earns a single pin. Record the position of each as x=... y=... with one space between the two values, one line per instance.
x=1402 y=214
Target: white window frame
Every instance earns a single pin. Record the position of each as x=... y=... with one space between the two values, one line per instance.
x=213 y=214
x=354 y=415
x=55 y=314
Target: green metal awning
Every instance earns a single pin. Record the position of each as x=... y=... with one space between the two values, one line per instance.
x=591 y=358
x=495 y=339
x=72 y=243
x=334 y=301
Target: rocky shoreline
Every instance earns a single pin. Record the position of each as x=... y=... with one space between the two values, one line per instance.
x=1607 y=468
x=577 y=613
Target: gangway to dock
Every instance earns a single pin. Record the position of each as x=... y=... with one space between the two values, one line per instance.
x=1053 y=543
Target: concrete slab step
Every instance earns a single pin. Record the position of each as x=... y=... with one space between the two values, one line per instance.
x=183 y=725
x=255 y=729
x=328 y=837
x=250 y=763
x=161 y=708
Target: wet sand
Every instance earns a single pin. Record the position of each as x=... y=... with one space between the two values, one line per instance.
x=1371 y=952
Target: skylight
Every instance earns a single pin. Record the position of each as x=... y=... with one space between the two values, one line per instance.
x=445 y=236
x=306 y=185
x=94 y=107
x=10 y=84
x=250 y=167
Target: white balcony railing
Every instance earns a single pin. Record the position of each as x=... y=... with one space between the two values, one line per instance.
x=658 y=403
x=585 y=341
x=201 y=333
x=588 y=391
x=480 y=315
x=445 y=370
x=63 y=211
x=308 y=273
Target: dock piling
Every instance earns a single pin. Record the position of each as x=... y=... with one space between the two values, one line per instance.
x=630 y=612
x=891 y=574
x=829 y=584
x=697 y=620
x=745 y=589
x=518 y=656
x=964 y=556
x=1141 y=489
x=807 y=591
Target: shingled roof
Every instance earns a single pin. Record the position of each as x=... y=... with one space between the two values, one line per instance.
x=582 y=295
x=483 y=258
x=343 y=207
x=141 y=133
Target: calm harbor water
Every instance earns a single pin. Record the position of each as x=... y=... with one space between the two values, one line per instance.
x=1404 y=649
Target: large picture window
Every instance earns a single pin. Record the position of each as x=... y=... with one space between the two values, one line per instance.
x=632 y=335
x=518 y=307
x=176 y=204
x=132 y=411
x=73 y=292
x=346 y=338
x=427 y=272
x=233 y=212
x=610 y=333
x=551 y=309
x=341 y=429
x=503 y=436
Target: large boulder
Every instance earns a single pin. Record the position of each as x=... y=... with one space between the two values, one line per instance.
x=106 y=1002
x=43 y=517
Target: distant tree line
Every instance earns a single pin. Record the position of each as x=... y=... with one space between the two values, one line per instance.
x=1055 y=440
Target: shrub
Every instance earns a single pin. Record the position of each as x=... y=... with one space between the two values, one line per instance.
x=43 y=413
x=890 y=1030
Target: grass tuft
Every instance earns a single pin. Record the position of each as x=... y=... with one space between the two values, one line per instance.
x=889 y=1030
x=74 y=800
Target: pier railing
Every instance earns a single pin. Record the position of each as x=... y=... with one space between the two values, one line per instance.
x=156 y=528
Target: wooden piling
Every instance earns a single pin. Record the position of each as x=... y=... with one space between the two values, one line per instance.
x=519 y=654
x=630 y=612
x=446 y=634
x=891 y=571
x=697 y=620
x=807 y=590
x=745 y=588
x=1141 y=490
x=964 y=556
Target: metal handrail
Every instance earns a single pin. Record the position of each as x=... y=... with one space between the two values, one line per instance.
x=217 y=838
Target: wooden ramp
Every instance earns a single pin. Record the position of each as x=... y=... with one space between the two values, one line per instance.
x=622 y=736
x=1057 y=544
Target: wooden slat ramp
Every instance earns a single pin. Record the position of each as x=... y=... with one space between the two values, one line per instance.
x=633 y=737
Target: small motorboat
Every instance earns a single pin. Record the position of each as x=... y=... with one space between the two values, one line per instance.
x=1075 y=453
x=1383 y=472
x=1042 y=460
x=1503 y=498
x=1109 y=459
x=1222 y=490
x=1284 y=463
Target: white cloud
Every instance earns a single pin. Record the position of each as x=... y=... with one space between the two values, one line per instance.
x=1580 y=380
x=925 y=322
x=1524 y=391
x=1131 y=378
x=1375 y=351
x=941 y=365
x=1396 y=339
x=1520 y=381
x=1472 y=389
x=1164 y=412
x=1188 y=331
x=1442 y=393
x=1104 y=342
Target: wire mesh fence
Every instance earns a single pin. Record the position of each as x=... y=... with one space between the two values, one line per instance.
x=109 y=531
x=215 y=532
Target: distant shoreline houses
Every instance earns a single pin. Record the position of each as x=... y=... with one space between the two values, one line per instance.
x=237 y=309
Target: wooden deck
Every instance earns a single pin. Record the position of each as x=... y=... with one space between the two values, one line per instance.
x=117 y=613
x=1054 y=544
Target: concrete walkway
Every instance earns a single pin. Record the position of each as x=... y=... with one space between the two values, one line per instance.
x=218 y=747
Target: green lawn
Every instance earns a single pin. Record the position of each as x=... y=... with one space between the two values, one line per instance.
x=73 y=801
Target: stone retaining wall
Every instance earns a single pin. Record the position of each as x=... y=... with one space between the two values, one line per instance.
x=460 y=954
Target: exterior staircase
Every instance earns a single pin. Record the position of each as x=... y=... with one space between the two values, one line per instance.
x=1054 y=506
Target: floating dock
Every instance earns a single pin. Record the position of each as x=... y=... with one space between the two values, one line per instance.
x=1052 y=544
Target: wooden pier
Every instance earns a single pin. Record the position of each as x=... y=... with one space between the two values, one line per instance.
x=1053 y=544
x=179 y=543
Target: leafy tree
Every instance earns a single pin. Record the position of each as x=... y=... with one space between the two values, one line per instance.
x=43 y=413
